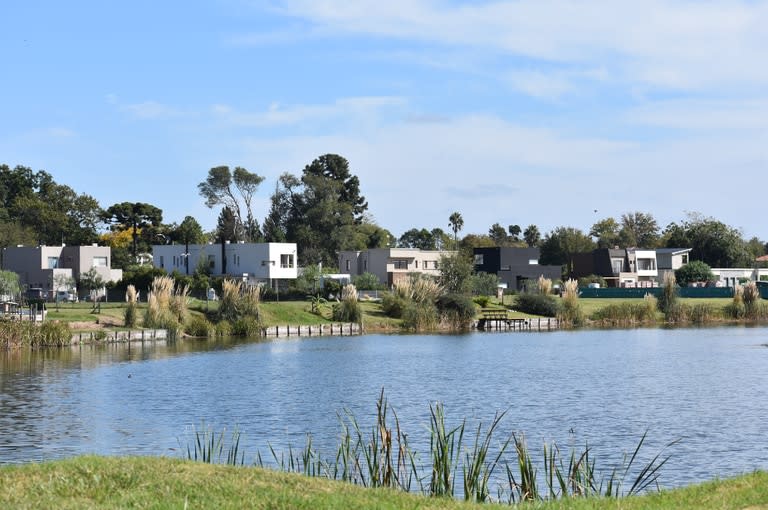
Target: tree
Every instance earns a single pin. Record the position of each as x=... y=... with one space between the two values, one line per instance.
x=455 y=273
x=415 y=238
x=323 y=211
x=606 y=232
x=532 y=236
x=639 y=230
x=230 y=188
x=498 y=234
x=188 y=232
x=92 y=282
x=133 y=216
x=711 y=241
x=514 y=232
x=694 y=271
x=9 y=284
x=456 y=222
x=561 y=244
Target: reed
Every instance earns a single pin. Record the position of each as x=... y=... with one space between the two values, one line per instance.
x=214 y=448
x=669 y=299
x=348 y=310
x=130 y=316
x=445 y=448
x=544 y=286
x=570 y=312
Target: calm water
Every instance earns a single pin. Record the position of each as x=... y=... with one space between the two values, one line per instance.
x=706 y=387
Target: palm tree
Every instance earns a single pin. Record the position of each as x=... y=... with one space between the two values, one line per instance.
x=456 y=222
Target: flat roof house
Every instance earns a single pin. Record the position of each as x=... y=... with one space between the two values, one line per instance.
x=47 y=267
x=390 y=264
x=514 y=266
x=253 y=262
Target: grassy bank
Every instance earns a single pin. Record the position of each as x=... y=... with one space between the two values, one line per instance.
x=149 y=482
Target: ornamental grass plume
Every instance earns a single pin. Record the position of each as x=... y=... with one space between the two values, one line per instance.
x=131 y=298
x=571 y=313
x=544 y=286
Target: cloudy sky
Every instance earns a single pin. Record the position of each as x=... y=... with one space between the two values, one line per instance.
x=546 y=112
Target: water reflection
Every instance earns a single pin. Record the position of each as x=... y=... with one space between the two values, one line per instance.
x=604 y=387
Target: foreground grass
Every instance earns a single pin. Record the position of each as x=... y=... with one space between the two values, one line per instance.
x=155 y=482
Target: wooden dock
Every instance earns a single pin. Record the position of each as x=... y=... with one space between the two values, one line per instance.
x=499 y=320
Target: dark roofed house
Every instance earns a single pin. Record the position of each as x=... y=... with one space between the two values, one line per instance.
x=513 y=266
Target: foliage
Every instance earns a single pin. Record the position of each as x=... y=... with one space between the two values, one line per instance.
x=419 y=316
x=140 y=276
x=455 y=271
x=570 y=312
x=9 y=283
x=711 y=241
x=544 y=286
x=161 y=313
x=418 y=288
x=15 y=334
x=485 y=284
x=91 y=281
x=133 y=216
x=456 y=222
x=532 y=236
x=230 y=189
x=393 y=304
x=584 y=281
x=559 y=246
x=627 y=313
x=536 y=304
x=322 y=212
x=606 y=231
x=638 y=230
x=348 y=310
x=694 y=271
x=247 y=326
x=668 y=300
x=367 y=281
x=238 y=301
x=131 y=313
x=458 y=310
x=481 y=301
x=228 y=228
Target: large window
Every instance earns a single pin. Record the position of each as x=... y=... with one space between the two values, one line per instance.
x=53 y=262
x=400 y=264
x=286 y=261
x=99 y=261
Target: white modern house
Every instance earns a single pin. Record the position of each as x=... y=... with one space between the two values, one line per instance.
x=57 y=268
x=390 y=264
x=255 y=263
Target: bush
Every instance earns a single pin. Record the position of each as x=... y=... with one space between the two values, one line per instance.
x=393 y=305
x=456 y=309
x=199 y=327
x=485 y=284
x=223 y=328
x=668 y=299
x=55 y=334
x=420 y=316
x=367 y=281
x=247 y=327
x=482 y=301
x=694 y=271
x=347 y=311
x=536 y=304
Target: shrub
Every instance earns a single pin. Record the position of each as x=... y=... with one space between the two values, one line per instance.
x=482 y=301
x=544 y=285
x=485 y=284
x=668 y=300
x=420 y=316
x=199 y=327
x=54 y=334
x=348 y=310
x=694 y=271
x=570 y=312
x=131 y=314
x=367 y=281
x=457 y=310
x=238 y=301
x=584 y=281
x=536 y=304
x=247 y=327
x=701 y=313
x=223 y=328
x=393 y=305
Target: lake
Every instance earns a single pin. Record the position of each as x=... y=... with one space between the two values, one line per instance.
x=705 y=387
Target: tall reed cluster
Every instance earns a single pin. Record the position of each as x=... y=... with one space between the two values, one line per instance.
x=461 y=462
x=544 y=286
x=669 y=303
x=570 y=313
x=130 y=315
x=348 y=309
x=18 y=333
x=628 y=314
x=414 y=300
x=239 y=306
x=747 y=303
x=167 y=305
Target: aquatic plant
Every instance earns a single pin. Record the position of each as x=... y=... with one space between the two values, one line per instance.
x=570 y=313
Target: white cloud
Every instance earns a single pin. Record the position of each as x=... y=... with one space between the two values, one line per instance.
x=698 y=114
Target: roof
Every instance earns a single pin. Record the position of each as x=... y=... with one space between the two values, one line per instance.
x=673 y=251
x=764 y=258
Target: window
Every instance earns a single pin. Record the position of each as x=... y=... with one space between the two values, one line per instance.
x=211 y=261
x=286 y=261
x=684 y=258
x=533 y=262
x=417 y=264
x=348 y=265
x=506 y=268
x=400 y=264
x=53 y=262
x=365 y=265
x=99 y=261
x=617 y=265
x=646 y=264
x=162 y=264
x=479 y=259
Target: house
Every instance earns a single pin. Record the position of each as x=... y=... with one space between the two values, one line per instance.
x=630 y=267
x=391 y=264
x=255 y=263
x=513 y=266
x=57 y=268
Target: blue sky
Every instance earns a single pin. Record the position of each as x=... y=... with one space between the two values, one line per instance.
x=546 y=112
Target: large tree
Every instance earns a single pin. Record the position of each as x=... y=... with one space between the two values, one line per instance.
x=639 y=230
x=187 y=232
x=561 y=244
x=711 y=241
x=234 y=189
x=532 y=236
x=133 y=216
x=323 y=211
x=456 y=222
x=606 y=231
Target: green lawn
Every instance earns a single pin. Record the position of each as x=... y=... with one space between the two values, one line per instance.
x=156 y=482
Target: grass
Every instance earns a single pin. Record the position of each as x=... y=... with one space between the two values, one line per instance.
x=157 y=482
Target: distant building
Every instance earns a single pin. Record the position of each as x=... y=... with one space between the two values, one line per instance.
x=630 y=267
x=390 y=264
x=48 y=267
x=514 y=266
x=253 y=262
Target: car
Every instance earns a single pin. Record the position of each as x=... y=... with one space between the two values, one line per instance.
x=68 y=297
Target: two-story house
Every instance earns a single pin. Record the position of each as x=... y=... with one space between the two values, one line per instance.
x=514 y=266
x=391 y=264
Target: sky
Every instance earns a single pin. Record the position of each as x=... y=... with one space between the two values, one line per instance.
x=546 y=112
